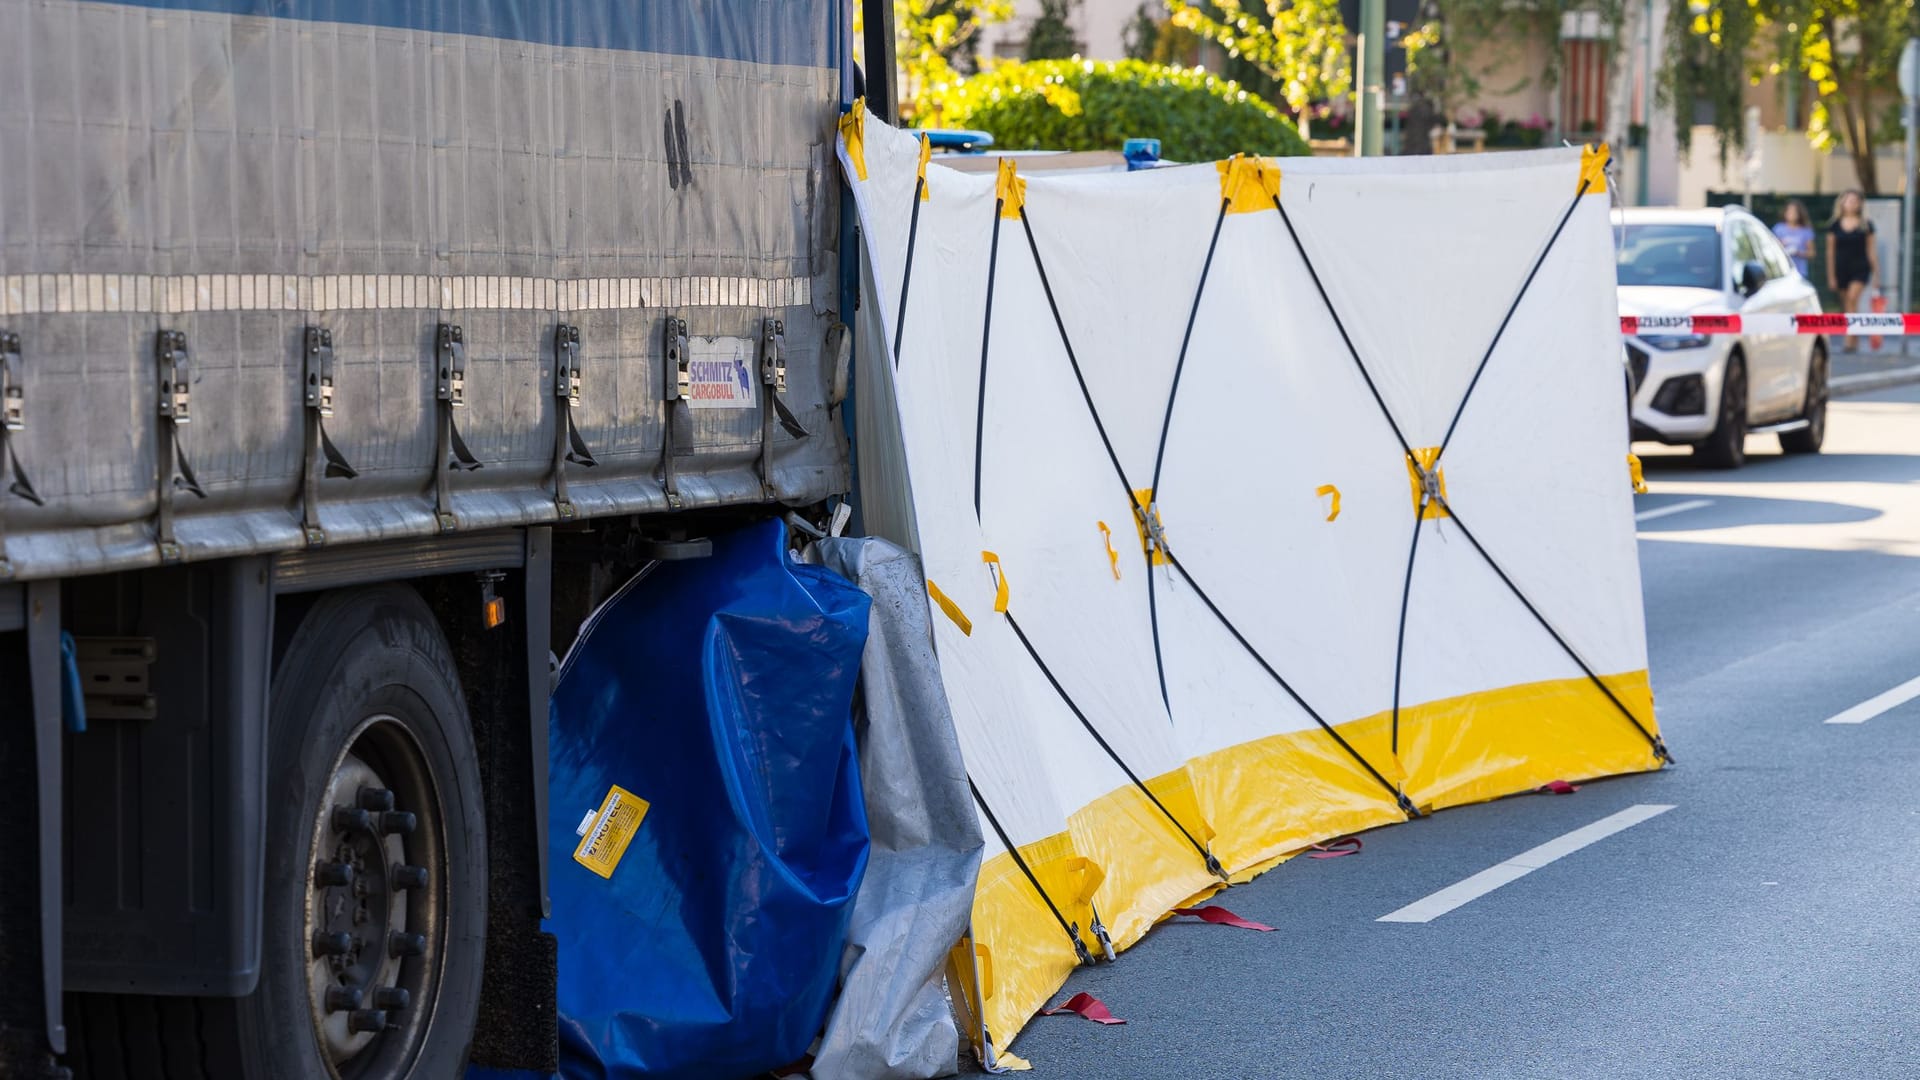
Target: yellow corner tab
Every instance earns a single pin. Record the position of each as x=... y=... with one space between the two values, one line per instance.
x=1010 y=189
x=1328 y=489
x=1635 y=474
x=951 y=609
x=1143 y=510
x=610 y=830
x=1428 y=508
x=999 y=580
x=1593 y=169
x=853 y=132
x=1248 y=184
x=926 y=155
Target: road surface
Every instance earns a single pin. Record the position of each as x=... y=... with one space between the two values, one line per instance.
x=1768 y=925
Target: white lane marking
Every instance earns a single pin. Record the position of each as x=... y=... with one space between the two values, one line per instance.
x=1432 y=906
x=1878 y=704
x=1676 y=508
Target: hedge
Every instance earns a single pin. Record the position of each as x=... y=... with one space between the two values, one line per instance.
x=1089 y=105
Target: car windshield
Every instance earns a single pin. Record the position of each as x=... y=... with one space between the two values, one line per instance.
x=1684 y=255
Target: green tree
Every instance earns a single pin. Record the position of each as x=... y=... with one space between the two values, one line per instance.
x=1300 y=44
x=1084 y=105
x=1051 y=36
x=1142 y=32
x=1847 y=50
x=933 y=47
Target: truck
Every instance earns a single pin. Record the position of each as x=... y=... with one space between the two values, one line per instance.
x=351 y=351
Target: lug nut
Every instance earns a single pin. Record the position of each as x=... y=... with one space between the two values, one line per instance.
x=407 y=877
x=400 y=943
x=333 y=873
x=373 y=798
x=352 y=819
x=397 y=821
x=366 y=1020
x=392 y=998
x=325 y=944
x=343 y=998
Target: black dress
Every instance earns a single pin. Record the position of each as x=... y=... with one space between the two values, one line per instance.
x=1850 y=263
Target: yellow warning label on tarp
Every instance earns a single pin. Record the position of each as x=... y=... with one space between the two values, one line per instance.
x=926 y=155
x=613 y=828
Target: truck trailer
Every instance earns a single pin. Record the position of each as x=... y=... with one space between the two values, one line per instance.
x=351 y=352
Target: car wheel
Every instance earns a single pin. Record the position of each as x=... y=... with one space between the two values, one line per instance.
x=1726 y=448
x=1807 y=440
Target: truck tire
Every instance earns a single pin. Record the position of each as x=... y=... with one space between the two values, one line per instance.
x=1726 y=448
x=374 y=914
x=375 y=779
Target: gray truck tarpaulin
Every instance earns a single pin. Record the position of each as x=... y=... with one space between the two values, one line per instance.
x=892 y=1021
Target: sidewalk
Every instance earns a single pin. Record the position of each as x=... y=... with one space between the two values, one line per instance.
x=1866 y=370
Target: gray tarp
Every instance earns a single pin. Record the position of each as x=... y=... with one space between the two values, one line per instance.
x=892 y=1021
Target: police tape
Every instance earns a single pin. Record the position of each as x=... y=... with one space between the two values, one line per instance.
x=1887 y=325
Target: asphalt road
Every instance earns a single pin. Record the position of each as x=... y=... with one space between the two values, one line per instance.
x=1767 y=926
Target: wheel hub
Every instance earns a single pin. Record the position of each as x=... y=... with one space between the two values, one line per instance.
x=358 y=893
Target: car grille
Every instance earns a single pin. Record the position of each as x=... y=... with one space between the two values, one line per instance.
x=1637 y=365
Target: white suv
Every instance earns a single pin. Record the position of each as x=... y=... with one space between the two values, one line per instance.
x=1710 y=391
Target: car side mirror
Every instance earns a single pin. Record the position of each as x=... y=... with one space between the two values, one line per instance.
x=1753 y=277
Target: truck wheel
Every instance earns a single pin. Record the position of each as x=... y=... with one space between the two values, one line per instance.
x=1726 y=448
x=1808 y=439
x=374 y=920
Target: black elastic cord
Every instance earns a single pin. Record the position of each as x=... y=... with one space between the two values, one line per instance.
x=1400 y=798
x=1073 y=931
x=1139 y=508
x=1074 y=362
x=1213 y=865
x=1179 y=365
x=1334 y=314
x=906 y=275
x=1659 y=747
x=1511 y=308
x=986 y=332
x=1406 y=593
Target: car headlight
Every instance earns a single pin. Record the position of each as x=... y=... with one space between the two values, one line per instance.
x=1670 y=342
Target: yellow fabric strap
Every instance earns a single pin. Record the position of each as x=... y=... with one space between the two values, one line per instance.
x=1329 y=489
x=1638 y=477
x=999 y=581
x=1143 y=508
x=926 y=155
x=1593 y=169
x=1113 y=557
x=1425 y=458
x=952 y=609
x=853 y=132
x=1248 y=184
x=1011 y=189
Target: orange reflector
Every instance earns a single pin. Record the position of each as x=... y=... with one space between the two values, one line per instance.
x=493 y=611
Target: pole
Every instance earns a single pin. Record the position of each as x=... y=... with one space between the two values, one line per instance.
x=1370 y=101
x=1906 y=211
x=1646 y=105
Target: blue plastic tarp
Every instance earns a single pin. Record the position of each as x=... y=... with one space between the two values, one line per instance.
x=719 y=691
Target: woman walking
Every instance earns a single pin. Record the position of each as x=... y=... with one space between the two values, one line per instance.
x=1852 y=263
x=1795 y=233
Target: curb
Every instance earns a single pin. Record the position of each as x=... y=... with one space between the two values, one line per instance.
x=1868 y=381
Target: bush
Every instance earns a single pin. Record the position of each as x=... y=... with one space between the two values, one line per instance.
x=1088 y=105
